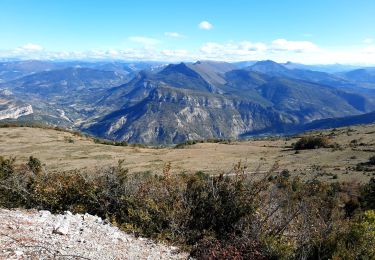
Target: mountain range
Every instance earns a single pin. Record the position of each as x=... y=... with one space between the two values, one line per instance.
x=160 y=103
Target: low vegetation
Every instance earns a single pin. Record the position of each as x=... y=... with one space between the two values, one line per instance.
x=192 y=142
x=234 y=216
x=371 y=160
x=312 y=142
x=6 y=124
x=368 y=166
x=109 y=142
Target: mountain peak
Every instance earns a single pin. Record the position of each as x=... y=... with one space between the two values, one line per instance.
x=267 y=63
x=180 y=68
x=268 y=66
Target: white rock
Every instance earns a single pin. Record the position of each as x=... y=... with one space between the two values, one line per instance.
x=89 y=218
x=62 y=227
x=44 y=213
x=99 y=220
x=123 y=239
x=16 y=112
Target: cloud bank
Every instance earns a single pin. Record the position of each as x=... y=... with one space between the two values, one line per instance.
x=280 y=50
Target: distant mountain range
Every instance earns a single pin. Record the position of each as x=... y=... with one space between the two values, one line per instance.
x=159 y=103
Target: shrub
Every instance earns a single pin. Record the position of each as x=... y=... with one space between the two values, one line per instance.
x=368 y=195
x=34 y=164
x=192 y=142
x=311 y=142
x=184 y=144
x=216 y=205
x=225 y=216
x=285 y=173
x=68 y=139
x=7 y=167
x=359 y=240
x=234 y=248
x=371 y=160
x=108 y=142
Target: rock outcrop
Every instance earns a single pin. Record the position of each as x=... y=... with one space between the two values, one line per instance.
x=16 y=112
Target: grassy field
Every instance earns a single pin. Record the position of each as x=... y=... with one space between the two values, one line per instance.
x=63 y=150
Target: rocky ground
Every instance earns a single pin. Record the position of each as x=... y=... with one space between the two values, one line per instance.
x=31 y=234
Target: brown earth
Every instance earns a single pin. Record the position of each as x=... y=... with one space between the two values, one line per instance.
x=64 y=151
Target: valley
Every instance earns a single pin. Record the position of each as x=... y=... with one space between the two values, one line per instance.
x=156 y=103
x=187 y=130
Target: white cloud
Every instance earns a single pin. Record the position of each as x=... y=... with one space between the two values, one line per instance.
x=280 y=50
x=204 y=25
x=231 y=48
x=296 y=46
x=175 y=53
x=369 y=49
x=232 y=51
x=368 y=41
x=174 y=35
x=144 y=40
x=30 y=47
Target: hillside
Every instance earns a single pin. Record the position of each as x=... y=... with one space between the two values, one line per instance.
x=213 y=100
x=62 y=150
x=156 y=103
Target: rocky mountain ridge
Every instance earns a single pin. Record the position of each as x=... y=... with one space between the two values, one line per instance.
x=164 y=104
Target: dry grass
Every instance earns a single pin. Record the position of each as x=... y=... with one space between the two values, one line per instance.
x=52 y=147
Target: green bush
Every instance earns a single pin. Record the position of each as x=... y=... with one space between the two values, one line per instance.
x=108 y=142
x=371 y=160
x=311 y=142
x=7 y=167
x=34 y=164
x=69 y=139
x=368 y=195
x=192 y=142
x=216 y=217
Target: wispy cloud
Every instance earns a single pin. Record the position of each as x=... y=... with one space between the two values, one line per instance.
x=144 y=40
x=175 y=53
x=30 y=47
x=214 y=49
x=297 y=46
x=369 y=49
x=174 y=35
x=368 y=40
x=204 y=25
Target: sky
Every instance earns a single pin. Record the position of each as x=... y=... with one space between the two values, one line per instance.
x=305 y=31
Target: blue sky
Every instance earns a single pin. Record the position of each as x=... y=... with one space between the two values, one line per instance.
x=316 y=31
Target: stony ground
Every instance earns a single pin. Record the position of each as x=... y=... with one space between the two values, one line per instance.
x=31 y=234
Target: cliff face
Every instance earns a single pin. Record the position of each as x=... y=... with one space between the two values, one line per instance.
x=16 y=112
x=183 y=102
x=170 y=115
